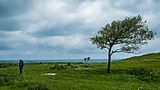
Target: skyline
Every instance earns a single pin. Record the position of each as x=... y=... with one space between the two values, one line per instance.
x=61 y=29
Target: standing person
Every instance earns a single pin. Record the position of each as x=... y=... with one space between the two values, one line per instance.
x=21 y=64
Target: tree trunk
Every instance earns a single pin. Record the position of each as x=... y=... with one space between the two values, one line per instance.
x=109 y=60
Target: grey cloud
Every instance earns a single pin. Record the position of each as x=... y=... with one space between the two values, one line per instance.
x=137 y=6
x=9 y=8
x=61 y=30
x=54 y=31
x=86 y=50
x=4 y=45
x=9 y=25
x=3 y=34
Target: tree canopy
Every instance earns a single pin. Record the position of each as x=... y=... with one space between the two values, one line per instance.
x=128 y=34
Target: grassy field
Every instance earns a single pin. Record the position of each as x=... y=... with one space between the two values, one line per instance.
x=136 y=73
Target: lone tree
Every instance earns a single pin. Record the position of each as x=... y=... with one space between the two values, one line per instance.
x=87 y=59
x=127 y=35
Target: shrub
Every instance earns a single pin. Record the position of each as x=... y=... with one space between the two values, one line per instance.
x=64 y=66
x=86 y=66
x=68 y=64
x=3 y=65
x=79 y=63
x=59 y=66
x=20 y=81
x=6 y=79
x=37 y=86
x=12 y=80
x=21 y=84
x=144 y=74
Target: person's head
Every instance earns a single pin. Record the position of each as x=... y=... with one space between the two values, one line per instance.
x=20 y=60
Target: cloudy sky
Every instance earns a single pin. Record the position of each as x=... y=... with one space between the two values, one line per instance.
x=60 y=29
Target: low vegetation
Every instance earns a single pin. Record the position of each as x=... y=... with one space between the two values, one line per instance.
x=136 y=73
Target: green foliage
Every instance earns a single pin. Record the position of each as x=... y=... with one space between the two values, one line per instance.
x=86 y=66
x=129 y=34
x=16 y=80
x=3 y=65
x=68 y=66
x=6 y=79
x=37 y=86
x=12 y=80
x=144 y=74
x=59 y=66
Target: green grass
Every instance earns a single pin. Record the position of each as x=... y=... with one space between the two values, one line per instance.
x=136 y=73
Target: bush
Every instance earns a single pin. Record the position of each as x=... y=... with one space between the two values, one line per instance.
x=59 y=66
x=37 y=86
x=3 y=65
x=144 y=74
x=86 y=66
x=6 y=79
x=12 y=80
x=20 y=81
x=64 y=66
x=68 y=64
x=21 y=84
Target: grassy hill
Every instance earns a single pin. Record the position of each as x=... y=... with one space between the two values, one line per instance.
x=136 y=73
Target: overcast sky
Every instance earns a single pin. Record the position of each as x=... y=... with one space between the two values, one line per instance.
x=60 y=29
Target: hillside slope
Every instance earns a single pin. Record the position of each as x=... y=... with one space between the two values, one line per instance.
x=146 y=57
x=148 y=61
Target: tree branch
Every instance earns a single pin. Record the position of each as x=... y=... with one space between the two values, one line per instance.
x=115 y=51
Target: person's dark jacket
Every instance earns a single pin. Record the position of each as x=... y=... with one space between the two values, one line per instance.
x=21 y=64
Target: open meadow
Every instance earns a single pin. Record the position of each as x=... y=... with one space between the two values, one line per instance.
x=136 y=73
